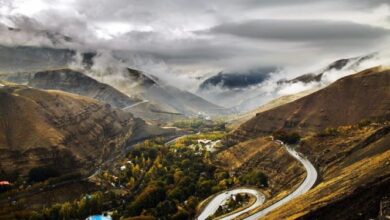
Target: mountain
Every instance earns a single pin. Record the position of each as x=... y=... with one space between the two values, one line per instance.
x=77 y=82
x=23 y=58
x=169 y=97
x=347 y=101
x=345 y=135
x=60 y=130
x=31 y=59
x=243 y=96
x=72 y=81
x=236 y=80
x=348 y=63
x=165 y=102
x=237 y=120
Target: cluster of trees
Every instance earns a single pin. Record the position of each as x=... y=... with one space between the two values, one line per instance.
x=287 y=137
x=233 y=203
x=193 y=139
x=165 y=182
x=170 y=180
x=254 y=178
x=79 y=209
x=199 y=124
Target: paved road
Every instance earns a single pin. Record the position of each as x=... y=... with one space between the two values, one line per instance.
x=309 y=181
x=135 y=104
x=213 y=205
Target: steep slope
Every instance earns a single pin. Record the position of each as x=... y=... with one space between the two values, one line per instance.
x=167 y=96
x=72 y=81
x=237 y=120
x=354 y=166
x=342 y=64
x=77 y=82
x=64 y=131
x=347 y=101
x=345 y=129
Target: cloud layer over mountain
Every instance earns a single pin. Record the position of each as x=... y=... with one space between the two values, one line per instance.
x=185 y=40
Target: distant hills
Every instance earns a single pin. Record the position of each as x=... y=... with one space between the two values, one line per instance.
x=245 y=91
x=349 y=63
x=236 y=80
x=48 y=68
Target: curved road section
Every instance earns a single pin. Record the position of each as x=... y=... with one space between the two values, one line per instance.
x=311 y=178
x=214 y=204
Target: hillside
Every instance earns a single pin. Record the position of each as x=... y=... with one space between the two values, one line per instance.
x=235 y=121
x=355 y=175
x=169 y=97
x=77 y=82
x=347 y=101
x=345 y=134
x=64 y=131
x=72 y=81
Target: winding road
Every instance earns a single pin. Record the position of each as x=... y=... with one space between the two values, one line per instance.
x=212 y=207
x=307 y=184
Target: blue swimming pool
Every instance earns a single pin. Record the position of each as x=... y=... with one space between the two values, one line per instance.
x=99 y=217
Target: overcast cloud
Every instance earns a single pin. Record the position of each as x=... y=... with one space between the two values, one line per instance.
x=202 y=37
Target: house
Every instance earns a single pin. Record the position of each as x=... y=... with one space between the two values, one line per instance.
x=5 y=183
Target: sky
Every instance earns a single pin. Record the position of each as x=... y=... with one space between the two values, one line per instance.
x=203 y=37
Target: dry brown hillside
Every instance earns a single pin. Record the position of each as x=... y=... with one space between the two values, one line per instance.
x=345 y=130
x=354 y=167
x=347 y=101
x=61 y=130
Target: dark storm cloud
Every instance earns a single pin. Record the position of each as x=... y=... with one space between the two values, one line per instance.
x=300 y=30
x=239 y=34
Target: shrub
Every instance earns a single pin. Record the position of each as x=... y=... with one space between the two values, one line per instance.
x=255 y=177
x=328 y=132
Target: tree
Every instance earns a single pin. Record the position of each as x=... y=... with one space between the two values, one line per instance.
x=256 y=178
x=66 y=211
x=149 y=198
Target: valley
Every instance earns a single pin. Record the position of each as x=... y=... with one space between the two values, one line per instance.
x=194 y=110
x=187 y=171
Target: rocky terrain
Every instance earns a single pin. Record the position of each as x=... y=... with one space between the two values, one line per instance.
x=64 y=131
